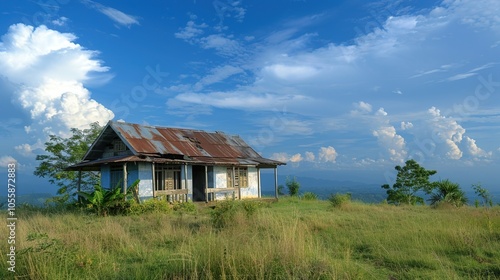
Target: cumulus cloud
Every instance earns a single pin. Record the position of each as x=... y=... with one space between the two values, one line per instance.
x=446 y=130
x=327 y=154
x=49 y=70
x=309 y=156
x=474 y=150
x=380 y=126
x=406 y=125
x=296 y=158
x=283 y=157
x=361 y=108
x=6 y=160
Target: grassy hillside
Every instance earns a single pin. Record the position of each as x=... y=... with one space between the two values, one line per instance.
x=290 y=239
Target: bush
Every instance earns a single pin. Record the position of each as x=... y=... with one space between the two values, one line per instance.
x=339 y=200
x=223 y=214
x=185 y=207
x=250 y=207
x=309 y=196
x=149 y=206
x=293 y=186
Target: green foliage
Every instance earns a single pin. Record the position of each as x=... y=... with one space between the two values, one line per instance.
x=250 y=207
x=184 y=207
x=149 y=206
x=339 y=200
x=448 y=192
x=293 y=186
x=223 y=214
x=411 y=178
x=484 y=194
x=63 y=152
x=309 y=196
x=108 y=201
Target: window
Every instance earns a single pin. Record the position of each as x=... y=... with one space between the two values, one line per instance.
x=119 y=146
x=240 y=177
x=167 y=178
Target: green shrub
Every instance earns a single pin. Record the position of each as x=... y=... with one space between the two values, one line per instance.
x=250 y=207
x=338 y=200
x=309 y=196
x=223 y=214
x=293 y=186
x=186 y=207
x=149 y=206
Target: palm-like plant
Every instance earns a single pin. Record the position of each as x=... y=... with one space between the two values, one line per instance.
x=447 y=191
x=103 y=200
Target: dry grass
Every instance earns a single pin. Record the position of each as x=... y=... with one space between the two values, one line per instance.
x=291 y=239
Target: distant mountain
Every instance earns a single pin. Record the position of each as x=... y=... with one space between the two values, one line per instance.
x=35 y=199
x=369 y=193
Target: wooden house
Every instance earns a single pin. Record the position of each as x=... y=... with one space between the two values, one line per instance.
x=180 y=164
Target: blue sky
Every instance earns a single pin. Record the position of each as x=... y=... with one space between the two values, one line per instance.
x=340 y=91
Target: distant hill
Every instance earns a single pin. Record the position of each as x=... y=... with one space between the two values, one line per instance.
x=35 y=199
x=368 y=193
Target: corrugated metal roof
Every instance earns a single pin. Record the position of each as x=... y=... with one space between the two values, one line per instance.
x=197 y=145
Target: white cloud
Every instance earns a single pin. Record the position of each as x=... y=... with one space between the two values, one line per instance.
x=283 y=157
x=327 y=154
x=362 y=107
x=115 y=15
x=223 y=45
x=474 y=150
x=190 y=31
x=49 y=71
x=60 y=21
x=296 y=158
x=291 y=73
x=217 y=74
x=446 y=130
x=237 y=99
x=309 y=156
x=6 y=160
x=406 y=125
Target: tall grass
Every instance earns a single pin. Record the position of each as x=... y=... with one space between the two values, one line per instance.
x=290 y=239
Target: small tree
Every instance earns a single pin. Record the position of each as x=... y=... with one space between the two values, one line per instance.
x=447 y=191
x=411 y=179
x=63 y=152
x=293 y=186
x=484 y=194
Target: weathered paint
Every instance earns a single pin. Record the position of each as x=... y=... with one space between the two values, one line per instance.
x=145 y=174
x=252 y=191
x=187 y=170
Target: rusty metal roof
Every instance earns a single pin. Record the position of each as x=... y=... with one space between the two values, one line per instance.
x=195 y=146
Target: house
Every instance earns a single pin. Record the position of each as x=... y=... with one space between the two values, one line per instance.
x=180 y=164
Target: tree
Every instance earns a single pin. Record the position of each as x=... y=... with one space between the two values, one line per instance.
x=411 y=179
x=293 y=186
x=447 y=191
x=484 y=194
x=63 y=152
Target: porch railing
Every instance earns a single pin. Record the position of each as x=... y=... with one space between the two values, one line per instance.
x=173 y=195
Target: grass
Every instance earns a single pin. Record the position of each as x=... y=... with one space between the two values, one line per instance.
x=289 y=239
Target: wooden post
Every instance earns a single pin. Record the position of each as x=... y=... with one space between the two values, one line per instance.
x=186 y=180
x=153 y=184
x=125 y=178
x=276 y=182
x=259 y=195
x=206 y=183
